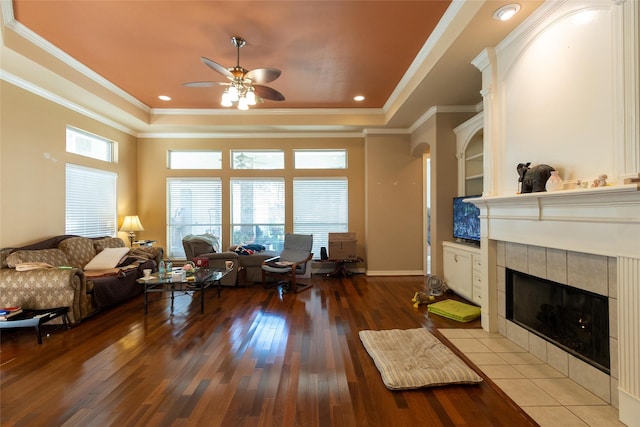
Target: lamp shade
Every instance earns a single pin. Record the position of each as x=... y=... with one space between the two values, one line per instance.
x=131 y=223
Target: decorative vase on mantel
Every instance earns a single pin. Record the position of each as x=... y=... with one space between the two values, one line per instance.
x=554 y=183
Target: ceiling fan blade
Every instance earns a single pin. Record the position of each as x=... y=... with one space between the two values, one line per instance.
x=204 y=84
x=216 y=67
x=266 y=92
x=263 y=75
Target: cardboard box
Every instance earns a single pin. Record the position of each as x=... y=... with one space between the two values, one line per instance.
x=341 y=236
x=342 y=246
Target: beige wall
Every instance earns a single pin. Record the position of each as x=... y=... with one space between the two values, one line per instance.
x=32 y=165
x=394 y=206
x=385 y=197
x=153 y=173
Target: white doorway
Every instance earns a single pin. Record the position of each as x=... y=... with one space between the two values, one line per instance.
x=427 y=216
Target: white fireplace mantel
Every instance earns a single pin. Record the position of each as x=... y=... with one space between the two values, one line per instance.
x=602 y=221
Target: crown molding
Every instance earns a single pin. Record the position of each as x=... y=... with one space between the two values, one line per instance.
x=248 y=135
x=267 y=112
x=43 y=93
x=444 y=109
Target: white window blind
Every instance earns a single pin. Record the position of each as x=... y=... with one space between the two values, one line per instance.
x=91 y=209
x=194 y=206
x=257 y=212
x=320 y=207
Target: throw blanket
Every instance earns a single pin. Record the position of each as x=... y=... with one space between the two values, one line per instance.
x=249 y=249
x=26 y=266
x=140 y=254
x=414 y=358
x=117 y=271
x=108 y=292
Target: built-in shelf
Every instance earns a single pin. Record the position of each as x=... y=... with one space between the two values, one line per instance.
x=462 y=263
x=470 y=153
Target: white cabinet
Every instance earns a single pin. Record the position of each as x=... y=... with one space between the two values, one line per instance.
x=463 y=270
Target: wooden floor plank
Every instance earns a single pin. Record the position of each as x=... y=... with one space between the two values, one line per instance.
x=255 y=357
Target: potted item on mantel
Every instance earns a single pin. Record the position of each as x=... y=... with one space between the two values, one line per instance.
x=554 y=183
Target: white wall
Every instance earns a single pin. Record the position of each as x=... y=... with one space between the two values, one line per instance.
x=558 y=95
x=562 y=89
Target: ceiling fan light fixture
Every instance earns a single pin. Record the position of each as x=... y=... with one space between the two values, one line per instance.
x=243 y=104
x=506 y=12
x=233 y=93
x=251 y=97
x=226 y=99
x=240 y=90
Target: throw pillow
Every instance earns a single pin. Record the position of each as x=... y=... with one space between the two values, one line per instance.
x=107 y=258
x=108 y=242
x=79 y=250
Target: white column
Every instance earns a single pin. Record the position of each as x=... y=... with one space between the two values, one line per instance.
x=629 y=340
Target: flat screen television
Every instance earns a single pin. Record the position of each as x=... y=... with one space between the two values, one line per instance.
x=466 y=220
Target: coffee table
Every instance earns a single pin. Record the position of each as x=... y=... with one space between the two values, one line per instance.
x=35 y=319
x=203 y=279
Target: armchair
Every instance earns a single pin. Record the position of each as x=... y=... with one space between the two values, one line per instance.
x=205 y=245
x=292 y=261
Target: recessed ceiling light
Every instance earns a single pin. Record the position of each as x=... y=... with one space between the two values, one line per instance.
x=358 y=98
x=164 y=98
x=506 y=12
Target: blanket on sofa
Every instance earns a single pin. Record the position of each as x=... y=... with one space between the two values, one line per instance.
x=249 y=249
x=105 y=272
x=109 y=290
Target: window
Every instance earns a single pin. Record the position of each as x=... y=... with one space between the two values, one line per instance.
x=195 y=160
x=91 y=209
x=271 y=159
x=320 y=207
x=85 y=144
x=320 y=159
x=194 y=206
x=257 y=212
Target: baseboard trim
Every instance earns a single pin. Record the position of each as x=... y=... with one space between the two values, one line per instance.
x=395 y=273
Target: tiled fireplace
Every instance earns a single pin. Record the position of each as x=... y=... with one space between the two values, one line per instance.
x=592 y=273
x=587 y=239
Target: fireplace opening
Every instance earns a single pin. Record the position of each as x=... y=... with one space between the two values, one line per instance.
x=571 y=318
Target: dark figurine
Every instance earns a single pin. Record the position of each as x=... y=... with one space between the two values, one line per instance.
x=533 y=179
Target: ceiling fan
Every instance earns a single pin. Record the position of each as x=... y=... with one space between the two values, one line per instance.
x=245 y=87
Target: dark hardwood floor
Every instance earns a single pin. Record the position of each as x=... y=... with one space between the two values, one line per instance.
x=256 y=357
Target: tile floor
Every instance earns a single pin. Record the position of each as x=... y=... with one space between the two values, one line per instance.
x=549 y=397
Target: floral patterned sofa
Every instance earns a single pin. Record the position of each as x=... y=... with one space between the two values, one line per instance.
x=51 y=273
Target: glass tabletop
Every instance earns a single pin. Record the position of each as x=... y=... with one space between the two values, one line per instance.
x=202 y=275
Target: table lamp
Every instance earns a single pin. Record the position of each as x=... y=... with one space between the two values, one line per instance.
x=131 y=224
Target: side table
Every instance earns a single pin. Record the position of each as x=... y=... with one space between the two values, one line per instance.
x=35 y=319
x=144 y=243
x=341 y=266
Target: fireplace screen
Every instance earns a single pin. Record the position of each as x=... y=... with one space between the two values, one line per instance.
x=573 y=319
